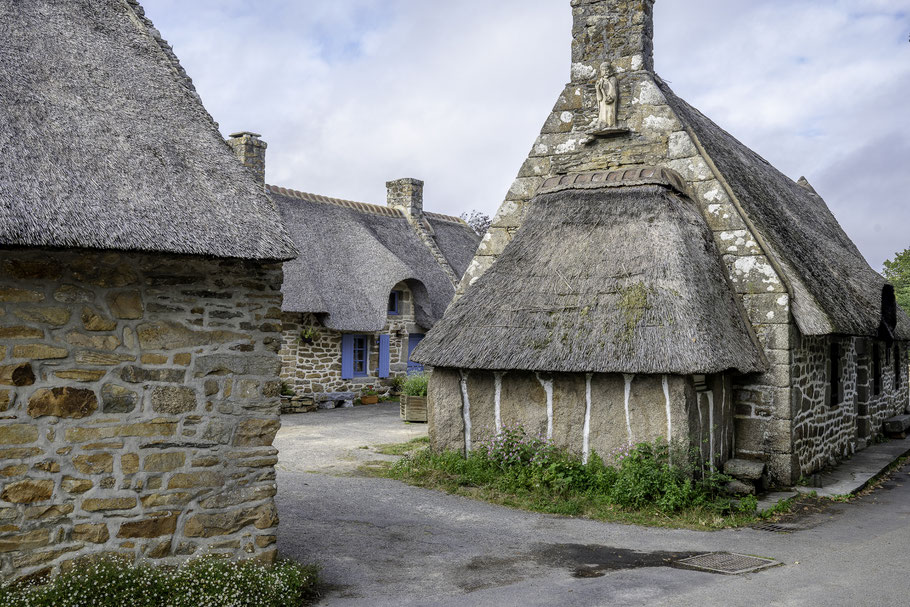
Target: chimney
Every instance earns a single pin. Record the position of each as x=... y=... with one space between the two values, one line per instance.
x=406 y=194
x=618 y=32
x=250 y=149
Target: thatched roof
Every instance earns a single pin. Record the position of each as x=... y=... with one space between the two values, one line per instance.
x=601 y=277
x=353 y=253
x=834 y=289
x=106 y=144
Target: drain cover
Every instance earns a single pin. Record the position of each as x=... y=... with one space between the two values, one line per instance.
x=727 y=562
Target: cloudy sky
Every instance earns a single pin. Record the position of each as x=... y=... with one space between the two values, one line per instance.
x=351 y=93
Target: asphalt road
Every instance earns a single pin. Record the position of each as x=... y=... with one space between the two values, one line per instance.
x=382 y=542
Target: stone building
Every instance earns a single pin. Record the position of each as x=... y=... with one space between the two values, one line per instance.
x=140 y=303
x=601 y=320
x=372 y=281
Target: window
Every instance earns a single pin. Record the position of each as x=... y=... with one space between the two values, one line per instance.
x=834 y=361
x=394 y=299
x=876 y=370
x=361 y=351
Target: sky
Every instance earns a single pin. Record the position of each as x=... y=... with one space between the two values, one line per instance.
x=350 y=94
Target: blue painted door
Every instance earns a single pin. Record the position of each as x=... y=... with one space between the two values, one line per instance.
x=413 y=340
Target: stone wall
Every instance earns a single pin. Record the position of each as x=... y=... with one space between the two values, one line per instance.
x=139 y=400
x=827 y=431
x=622 y=409
x=310 y=369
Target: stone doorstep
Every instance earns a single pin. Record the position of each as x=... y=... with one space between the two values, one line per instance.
x=850 y=476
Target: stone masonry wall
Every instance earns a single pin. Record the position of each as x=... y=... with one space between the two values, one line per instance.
x=138 y=403
x=762 y=403
x=824 y=433
x=314 y=368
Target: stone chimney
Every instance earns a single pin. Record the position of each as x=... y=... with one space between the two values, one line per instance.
x=250 y=149
x=406 y=194
x=619 y=32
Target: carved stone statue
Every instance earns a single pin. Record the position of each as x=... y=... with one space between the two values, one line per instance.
x=607 y=97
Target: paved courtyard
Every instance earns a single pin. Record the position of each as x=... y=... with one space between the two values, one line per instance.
x=382 y=542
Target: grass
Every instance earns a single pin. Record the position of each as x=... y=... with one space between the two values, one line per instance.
x=202 y=582
x=411 y=446
x=639 y=489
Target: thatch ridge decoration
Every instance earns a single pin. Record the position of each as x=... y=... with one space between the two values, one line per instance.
x=364 y=207
x=645 y=175
x=611 y=279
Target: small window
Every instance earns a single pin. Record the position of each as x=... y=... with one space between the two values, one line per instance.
x=394 y=300
x=361 y=351
x=876 y=370
x=834 y=356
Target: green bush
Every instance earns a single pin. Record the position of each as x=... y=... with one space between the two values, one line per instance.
x=648 y=476
x=204 y=582
x=415 y=385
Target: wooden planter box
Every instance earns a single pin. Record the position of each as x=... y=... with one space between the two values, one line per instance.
x=369 y=400
x=413 y=408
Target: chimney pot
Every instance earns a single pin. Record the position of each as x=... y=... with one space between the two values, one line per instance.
x=250 y=150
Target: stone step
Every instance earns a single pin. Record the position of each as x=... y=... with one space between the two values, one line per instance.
x=744 y=469
x=738 y=487
x=897 y=426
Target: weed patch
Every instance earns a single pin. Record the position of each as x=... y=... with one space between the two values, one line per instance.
x=649 y=483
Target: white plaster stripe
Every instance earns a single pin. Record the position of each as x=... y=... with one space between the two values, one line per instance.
x=628 y=377
x=711 y=429
x=548 y=390
x=701 y=423
x=466 y=411
x=669 y=417
x=586 y=432
x=496 y=400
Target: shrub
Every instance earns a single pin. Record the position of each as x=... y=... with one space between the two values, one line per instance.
x=415 y=385
x=644 y=477
x=204 y=582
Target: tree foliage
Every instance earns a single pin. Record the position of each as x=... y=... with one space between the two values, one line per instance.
x=479 y=222
x=897 y=271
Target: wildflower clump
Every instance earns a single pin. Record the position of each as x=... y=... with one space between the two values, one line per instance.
x=203 y=582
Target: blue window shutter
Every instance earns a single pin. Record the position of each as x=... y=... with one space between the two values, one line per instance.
x=384 y=355
x=347 y=356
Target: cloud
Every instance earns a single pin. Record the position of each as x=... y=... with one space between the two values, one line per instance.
x=352 y=93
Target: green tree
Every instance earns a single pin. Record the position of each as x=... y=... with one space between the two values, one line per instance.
x=897 y=271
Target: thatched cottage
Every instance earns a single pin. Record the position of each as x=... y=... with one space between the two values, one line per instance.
x=650 y=276
x=371 y=282
x=140 y=303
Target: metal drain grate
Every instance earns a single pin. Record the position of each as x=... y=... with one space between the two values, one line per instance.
x=777 y=527
x=727 y=562
x=786 y=527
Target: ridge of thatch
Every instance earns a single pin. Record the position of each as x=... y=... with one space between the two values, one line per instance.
x=107 y=145
x=834 y=288
x=356 y=252
x=365 y=207
x=613 y=279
